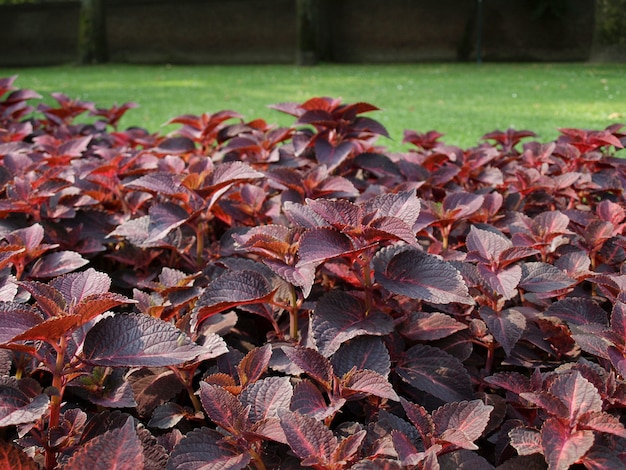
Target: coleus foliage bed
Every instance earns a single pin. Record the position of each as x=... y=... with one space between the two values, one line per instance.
x=238 y=295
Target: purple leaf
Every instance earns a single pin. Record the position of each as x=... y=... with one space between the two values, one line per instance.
x=618 y=359
x=486 y=244
x=308 y=438
x=577 y=311
x=603 y=422
x=507 y=326
x=436 y=372
x=167 y=416
x=267 y=397
x=367 y=382
x=461 y=423
x=462 y=204
x=349 y=446
x=117 y=448
x=332 y=156
x=11 y=457
x=563 y=446
x=232 y=289
x=15 y=319
x=502 y=281
x=57 y=263
x=164 y=218
x=429 y=326
x=76 y=286
x=307 y=399
x=408 y=455
x=526 y=441
x=159 y=183
x=339 y=316
x=403 y=205
x=18 y=408
x=544 y=278
x=303 y=216
x=313 y=364
x=254 y=365
x=418 y=275
x=339 y=213
x=577 y=393
x=421 y=419
x=223 y=408
x=321 y=244
x=362 y=352
x=139 y=340
x=200 y=450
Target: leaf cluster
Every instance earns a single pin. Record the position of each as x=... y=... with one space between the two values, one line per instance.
x=239 y=295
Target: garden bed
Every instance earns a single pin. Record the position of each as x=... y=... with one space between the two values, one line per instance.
x=245 y=295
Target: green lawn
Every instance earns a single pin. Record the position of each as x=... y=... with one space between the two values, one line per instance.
x=463 y=101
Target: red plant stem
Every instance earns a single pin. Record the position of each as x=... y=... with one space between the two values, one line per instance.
x=293 y=313
x=258 y=461
x=367 y=284
x=57 y=398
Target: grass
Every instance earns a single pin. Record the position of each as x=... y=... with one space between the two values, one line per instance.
x=463 y=101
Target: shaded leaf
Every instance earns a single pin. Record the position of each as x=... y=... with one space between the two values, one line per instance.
x=436 y=372
x=18 y=408
x=362 y=352
x=15 y=319
x=313 y=364
x=507 y=326
x=339 y=316
x=429 y=326
x=577 y=393
x=15 y=459
x=199 y=450
x=254 y=364
x=56 y=264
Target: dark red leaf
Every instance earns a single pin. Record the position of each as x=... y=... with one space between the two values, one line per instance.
x=313 y=364
x=266 y=397
x=307 y=399
x=223 y=408
x=139 y=340
x=462 y=423
x=232 y=289
x=563 y=446
x=15 y=459
x=429 y=326
x=418 y=275
x=362 y=352
x=362 y=383
x=544 y=278
x=577 y=311
x=254 y=365
x=308 y=438
x=435 y=371
x=76 y=286
x=330 y=155
x=117 y=448
x=199 y=449
x=507 y=326
x=16 y=407
x=322 y=244
x=57 y=263
x=15 y=319
x=339 y=316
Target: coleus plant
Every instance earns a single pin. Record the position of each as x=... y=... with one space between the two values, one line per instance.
x=239 y=295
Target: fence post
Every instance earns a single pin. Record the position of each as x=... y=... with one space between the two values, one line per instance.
x=92 y=47
x=307 y=28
